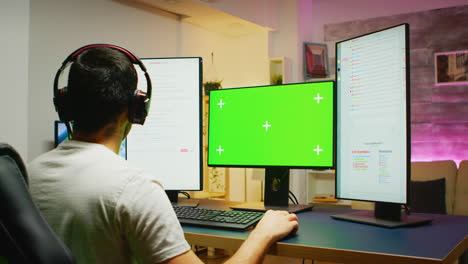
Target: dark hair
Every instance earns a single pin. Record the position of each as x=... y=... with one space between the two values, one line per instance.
x=101 y=84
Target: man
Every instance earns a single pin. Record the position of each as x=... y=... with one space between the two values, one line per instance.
x=102 y=207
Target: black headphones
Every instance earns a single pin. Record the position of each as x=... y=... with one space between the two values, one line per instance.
x=138 y=107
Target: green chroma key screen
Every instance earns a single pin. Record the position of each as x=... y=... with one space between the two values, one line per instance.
x=281 y=125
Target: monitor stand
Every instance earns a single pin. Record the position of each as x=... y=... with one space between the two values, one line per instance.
x=385 y=215
x=174 y=198
x=276 y=194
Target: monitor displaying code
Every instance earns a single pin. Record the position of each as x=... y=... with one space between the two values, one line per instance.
x=168 y=145
x=372 y=117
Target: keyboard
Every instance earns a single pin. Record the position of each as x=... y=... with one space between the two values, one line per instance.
x=215 y=218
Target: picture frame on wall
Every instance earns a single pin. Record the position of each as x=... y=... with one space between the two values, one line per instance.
x=315 y=61
x=451 y=68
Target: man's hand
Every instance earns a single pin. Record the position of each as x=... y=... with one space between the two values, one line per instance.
x=275 y=225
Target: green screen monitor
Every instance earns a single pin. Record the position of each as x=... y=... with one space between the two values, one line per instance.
x=274 y=127
x=283 y=125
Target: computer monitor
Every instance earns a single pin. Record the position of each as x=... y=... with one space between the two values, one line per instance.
x=169 y=144
x=61 y=134
x=276 y=127
x=373 y=124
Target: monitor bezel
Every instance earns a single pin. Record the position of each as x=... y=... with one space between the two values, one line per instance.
x=200 y=117
x=408 y=113
x=56 y=126
x=332 y=166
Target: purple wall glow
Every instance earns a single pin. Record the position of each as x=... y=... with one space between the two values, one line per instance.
x=336 y=11
x=439 y=114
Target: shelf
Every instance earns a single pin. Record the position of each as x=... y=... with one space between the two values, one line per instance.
x=327 y=172
x=320 y=182
x=278 y=66
x=331 y=78
x=339 y=204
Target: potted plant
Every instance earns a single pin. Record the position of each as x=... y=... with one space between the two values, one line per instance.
x=277 y=79
x=211 y=85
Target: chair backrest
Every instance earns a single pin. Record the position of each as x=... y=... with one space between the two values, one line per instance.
x=25 y=235
x=433 y=170
x=460 y=206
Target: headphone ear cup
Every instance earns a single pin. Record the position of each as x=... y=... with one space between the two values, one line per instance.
x=61 y=102
x=138 y=108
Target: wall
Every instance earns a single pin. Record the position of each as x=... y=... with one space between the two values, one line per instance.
x=260 y=12
x=14 y=25
x=335 y=11
x=58 y=27
x=284 y=40
x=237 y=61
x=290 y=22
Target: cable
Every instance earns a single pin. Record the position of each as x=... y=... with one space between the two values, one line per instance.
x=69 y=130
x=407 y=209
x=292 y=200
x=295 y=198
x=186 y=194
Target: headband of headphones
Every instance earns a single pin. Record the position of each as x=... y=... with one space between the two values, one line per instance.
x=139 y=104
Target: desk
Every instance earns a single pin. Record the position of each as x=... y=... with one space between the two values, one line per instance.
x=323 y=238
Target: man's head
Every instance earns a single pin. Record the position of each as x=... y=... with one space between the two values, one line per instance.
x=101 y=85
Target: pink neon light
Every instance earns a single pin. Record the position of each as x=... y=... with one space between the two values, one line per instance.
x=451 y=52
x=449 y=122
x=457 y=162
x=451 y=83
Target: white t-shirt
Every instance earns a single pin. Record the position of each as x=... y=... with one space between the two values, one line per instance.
x=105 y=210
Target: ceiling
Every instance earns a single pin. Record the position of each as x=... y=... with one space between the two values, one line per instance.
x=195 y=12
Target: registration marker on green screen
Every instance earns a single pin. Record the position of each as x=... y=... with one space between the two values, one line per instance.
x=283 y=125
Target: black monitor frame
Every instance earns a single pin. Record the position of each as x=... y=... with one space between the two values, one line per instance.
x=276 y=188
x=386 y=214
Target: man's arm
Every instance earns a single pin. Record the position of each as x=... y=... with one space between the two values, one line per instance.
x=184 y=258
x=274 y=226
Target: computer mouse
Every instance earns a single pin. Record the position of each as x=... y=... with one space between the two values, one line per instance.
x=291 y=234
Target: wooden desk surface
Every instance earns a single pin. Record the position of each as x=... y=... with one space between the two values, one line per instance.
x=322 y=238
